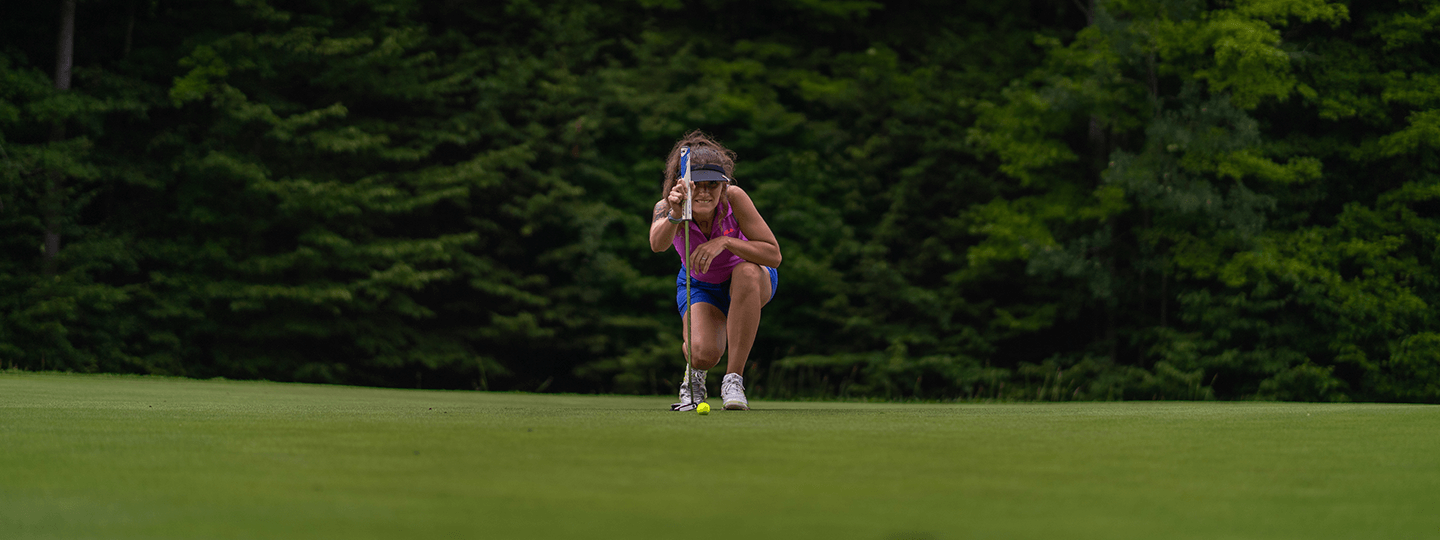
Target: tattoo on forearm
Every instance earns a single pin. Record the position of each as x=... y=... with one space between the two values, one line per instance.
x=662 y=211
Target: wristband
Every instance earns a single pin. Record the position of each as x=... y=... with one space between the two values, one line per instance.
x=673 y=220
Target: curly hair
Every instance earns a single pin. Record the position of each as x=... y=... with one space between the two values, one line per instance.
x=703 y=151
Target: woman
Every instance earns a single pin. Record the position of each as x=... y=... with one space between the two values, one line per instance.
x=734 y=256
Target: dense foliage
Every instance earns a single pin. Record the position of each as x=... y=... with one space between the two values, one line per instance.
x=1044 y=199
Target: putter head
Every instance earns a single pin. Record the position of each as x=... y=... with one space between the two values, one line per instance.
x=684 y=407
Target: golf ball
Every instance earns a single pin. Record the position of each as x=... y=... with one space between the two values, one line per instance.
x=703 y=408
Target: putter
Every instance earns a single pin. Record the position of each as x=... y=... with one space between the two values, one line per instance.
x=687 y=216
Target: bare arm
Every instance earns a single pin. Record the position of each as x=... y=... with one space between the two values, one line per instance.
x=762 y=248
x=662 y=231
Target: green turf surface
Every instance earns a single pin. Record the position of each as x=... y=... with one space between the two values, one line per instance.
x=132 y=457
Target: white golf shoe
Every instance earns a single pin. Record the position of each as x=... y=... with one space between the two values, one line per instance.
x=687 y=401
x=732 y=392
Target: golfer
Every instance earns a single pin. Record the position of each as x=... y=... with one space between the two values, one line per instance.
x=733 y=255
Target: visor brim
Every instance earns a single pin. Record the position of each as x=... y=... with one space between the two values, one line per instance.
x=705 y=175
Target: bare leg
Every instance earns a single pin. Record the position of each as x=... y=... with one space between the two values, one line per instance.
x=709 y=335
x=749 y=292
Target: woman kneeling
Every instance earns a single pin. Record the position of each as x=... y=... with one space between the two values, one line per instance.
x=732 y=267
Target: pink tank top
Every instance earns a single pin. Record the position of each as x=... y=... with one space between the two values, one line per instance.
x=726 y=261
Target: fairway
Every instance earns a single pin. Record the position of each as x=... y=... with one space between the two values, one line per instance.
x=141 y=457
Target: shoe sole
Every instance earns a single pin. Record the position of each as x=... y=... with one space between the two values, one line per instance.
x=736 y=406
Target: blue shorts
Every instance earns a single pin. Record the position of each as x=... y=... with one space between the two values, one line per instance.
x=715 y=294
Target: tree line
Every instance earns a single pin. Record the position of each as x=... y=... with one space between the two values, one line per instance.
x=1037 y=200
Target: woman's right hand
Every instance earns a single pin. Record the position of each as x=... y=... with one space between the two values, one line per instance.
x=677 y=199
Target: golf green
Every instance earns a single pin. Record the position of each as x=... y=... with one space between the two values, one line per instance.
x=85 y=456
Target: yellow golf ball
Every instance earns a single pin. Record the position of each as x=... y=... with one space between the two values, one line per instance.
x=703 y=408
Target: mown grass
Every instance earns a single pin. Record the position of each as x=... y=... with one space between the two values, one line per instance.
x=140 y=457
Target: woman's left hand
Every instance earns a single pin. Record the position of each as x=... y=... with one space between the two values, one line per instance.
x=704 y=254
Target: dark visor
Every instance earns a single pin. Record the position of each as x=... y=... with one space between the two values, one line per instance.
x=708 y=173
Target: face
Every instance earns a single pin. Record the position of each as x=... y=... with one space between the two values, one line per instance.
x=707 y=195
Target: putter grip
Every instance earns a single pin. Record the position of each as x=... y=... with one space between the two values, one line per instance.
x=687 y=214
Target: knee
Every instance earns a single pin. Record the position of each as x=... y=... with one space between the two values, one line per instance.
x=706 y=354
x=748 y=275
x=706 y=358
x=709 y=356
